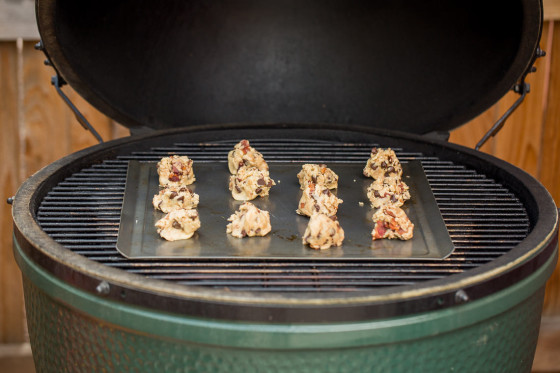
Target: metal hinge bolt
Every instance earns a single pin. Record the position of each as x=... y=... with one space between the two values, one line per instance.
x=461 y=297
x=103 y=288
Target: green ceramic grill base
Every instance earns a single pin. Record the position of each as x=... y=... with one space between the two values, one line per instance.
x=74 y=331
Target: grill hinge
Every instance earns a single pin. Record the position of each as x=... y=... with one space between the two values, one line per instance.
x=57 y=81
x=521 y=88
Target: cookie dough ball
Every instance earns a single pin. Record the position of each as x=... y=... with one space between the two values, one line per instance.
x=391 y=222
x=323 y=232
x=249 y=221
x=245 y=155
x=317 y=174
x=174 y=198
x=250 y=182
x=383 y=163
x=175 y=171
x=178 y=225
x=317 y=199
x=388 y=191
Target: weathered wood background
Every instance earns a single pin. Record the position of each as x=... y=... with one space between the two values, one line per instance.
x=37 y=128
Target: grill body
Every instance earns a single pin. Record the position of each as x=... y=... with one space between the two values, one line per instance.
x=478 y=308
x=71 y=330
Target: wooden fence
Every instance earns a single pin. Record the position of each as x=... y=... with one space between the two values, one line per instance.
x=37 y=129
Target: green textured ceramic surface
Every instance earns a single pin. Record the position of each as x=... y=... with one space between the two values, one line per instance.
x=74 y=331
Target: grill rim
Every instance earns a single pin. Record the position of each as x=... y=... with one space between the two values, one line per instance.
x=86 y=274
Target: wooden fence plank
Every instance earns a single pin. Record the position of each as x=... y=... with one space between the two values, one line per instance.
x=549 y=173
x=12 y=321
x=45 y=126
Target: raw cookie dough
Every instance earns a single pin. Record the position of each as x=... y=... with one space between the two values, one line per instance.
x=383 y=163
x=250 y=182
x=391 y=222
x=249 y=221
x=175 y=171
x=175 y=198
x=388 y=191
x=318 y=199
x=323 y=232
x=245 y=155
x=178 y=225
x=317 y=174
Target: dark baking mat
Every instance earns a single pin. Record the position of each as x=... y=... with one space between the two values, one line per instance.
x=138 y=237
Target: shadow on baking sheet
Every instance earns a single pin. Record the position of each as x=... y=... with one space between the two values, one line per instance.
x=138 y=237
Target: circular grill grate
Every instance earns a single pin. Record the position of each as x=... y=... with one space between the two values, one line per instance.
x=485 y=220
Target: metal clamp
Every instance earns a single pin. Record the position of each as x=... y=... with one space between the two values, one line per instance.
x=521 y=88
x=57 y=81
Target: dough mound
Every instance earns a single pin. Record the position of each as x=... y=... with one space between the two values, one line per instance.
x=178 y=225
x=175 y=198
x=388 y=191
x=323 y=232
x=250 y=182
x=245 y=155
x=317 y=199
x=391 y=222
x=175 y=171
x=383 y=163
x=249 y=221
x=317 y=174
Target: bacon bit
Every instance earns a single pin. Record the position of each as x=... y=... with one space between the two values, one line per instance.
x=176 y=170
x=311 y=187
x=390 y=213
x=301 y=205
x=174 y=177
x=379 y=231
x=401 y=231
x=323 y=170
x=394 y=225
x=245 y=146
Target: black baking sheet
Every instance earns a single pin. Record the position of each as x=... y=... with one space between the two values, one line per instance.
x=138 y=238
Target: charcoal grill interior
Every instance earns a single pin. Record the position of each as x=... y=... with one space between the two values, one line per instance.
x=484 y=218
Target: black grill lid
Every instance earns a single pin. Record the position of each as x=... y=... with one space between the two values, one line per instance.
x=407 y=65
